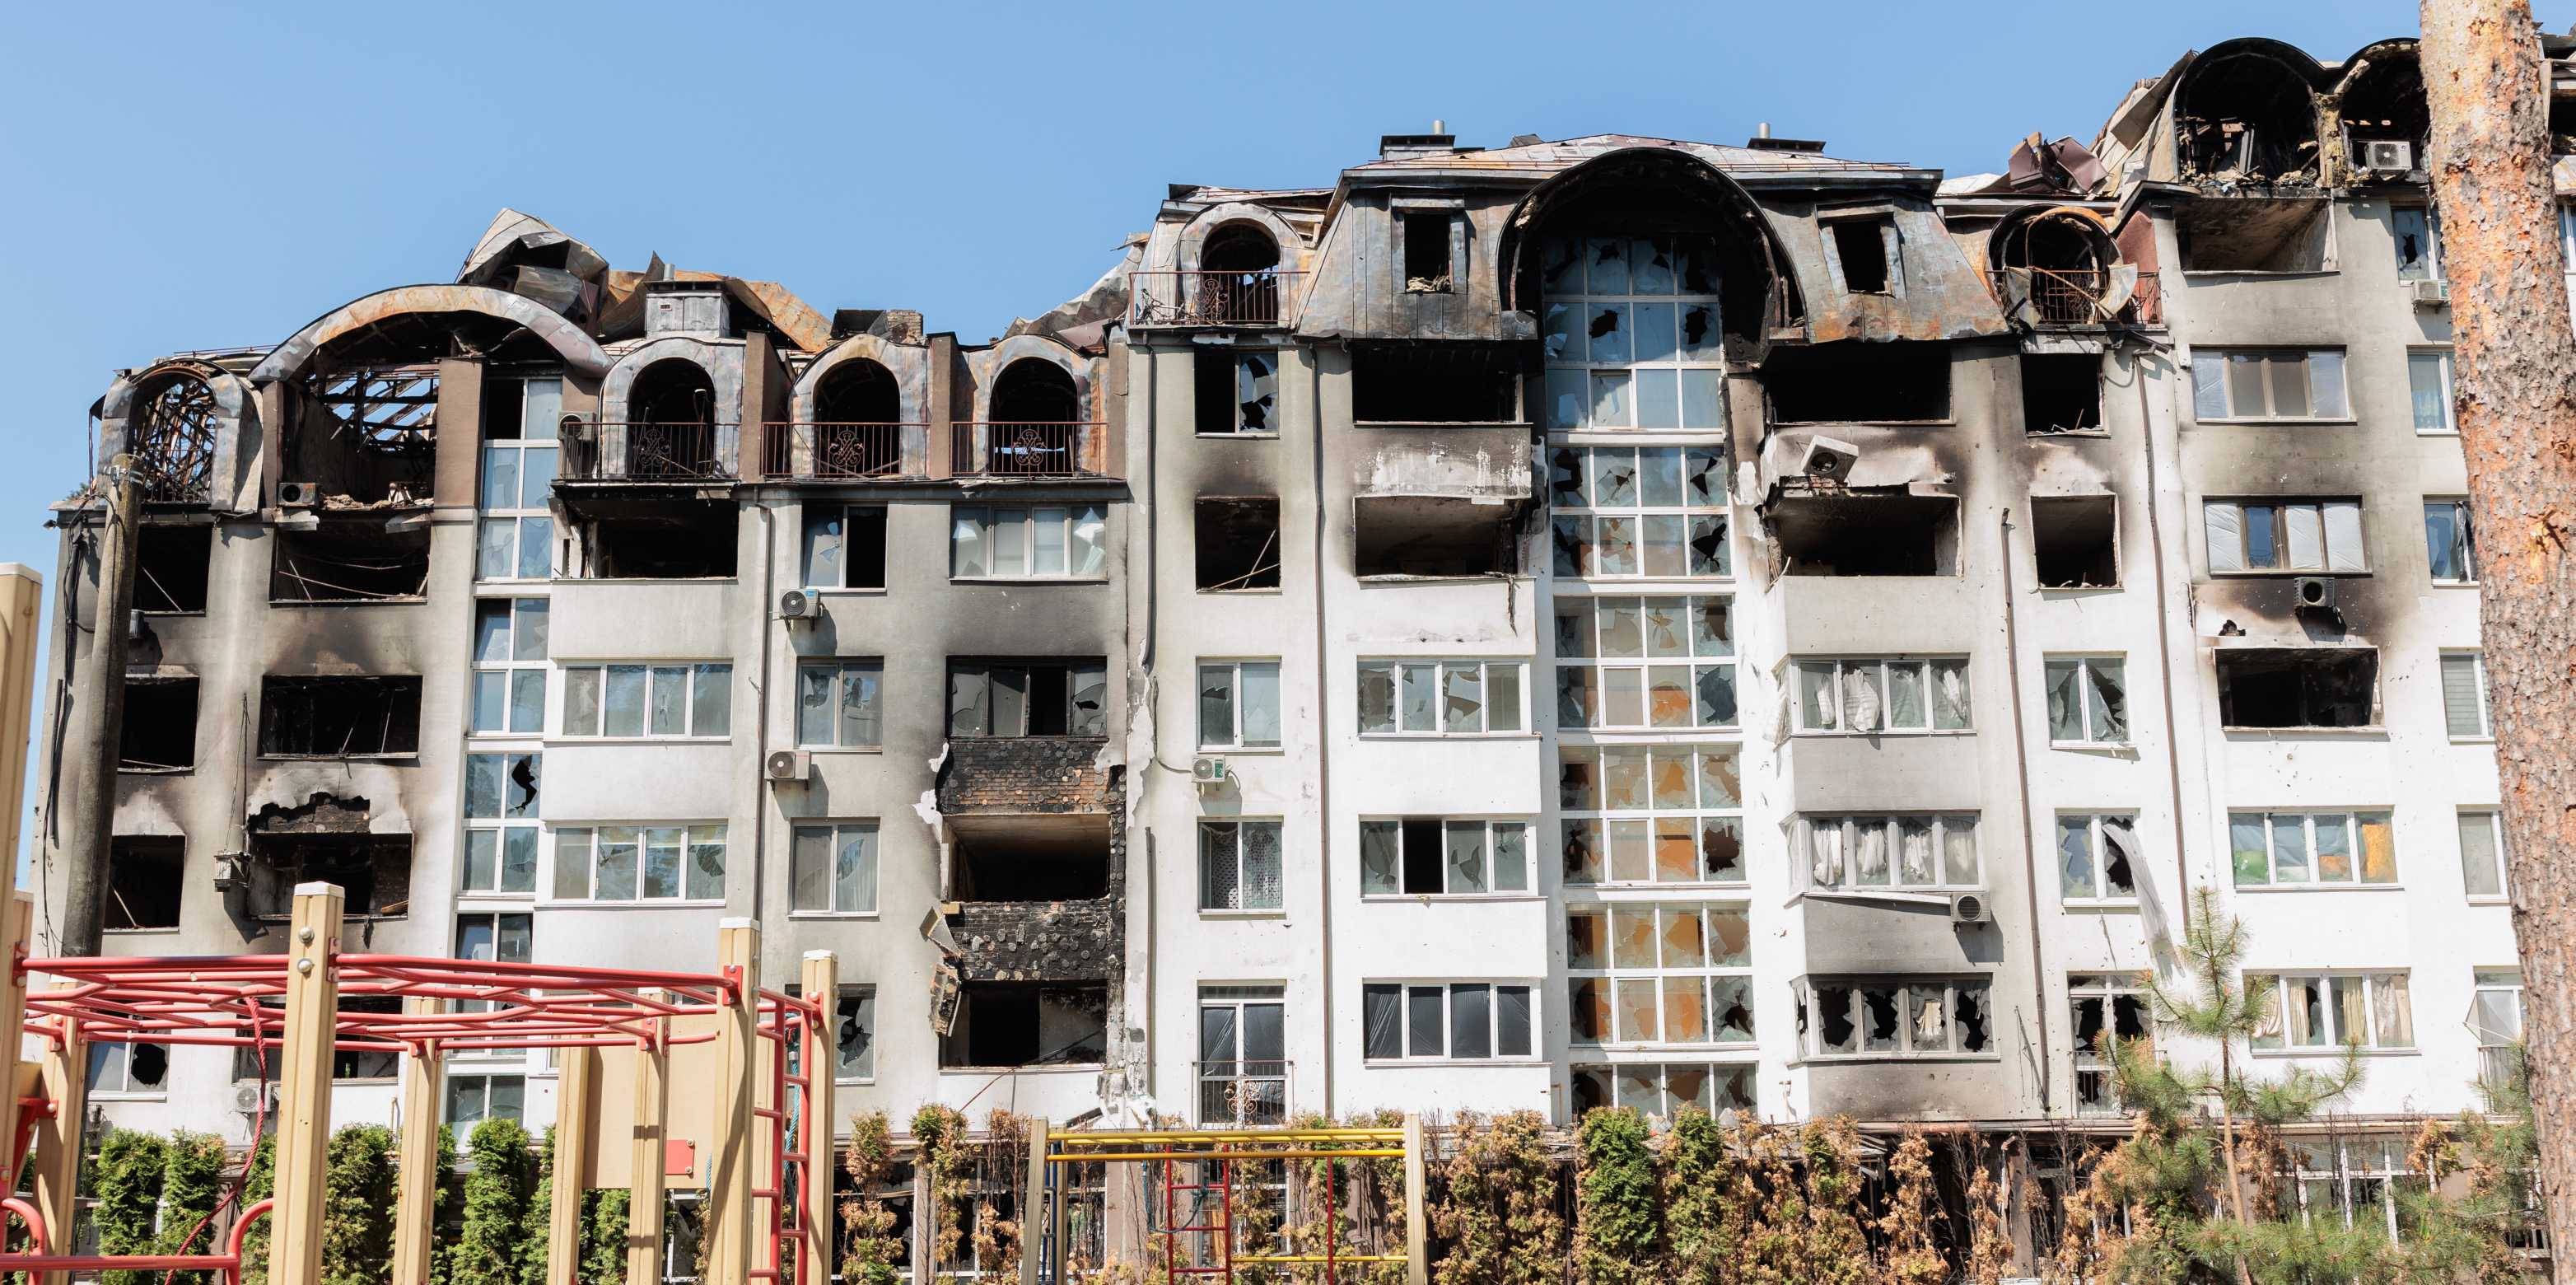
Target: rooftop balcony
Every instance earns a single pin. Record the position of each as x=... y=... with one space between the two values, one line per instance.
x=845 y=451
x=1240 y=299
x=618 y=451
x=2072 y=297
x=1054 y=449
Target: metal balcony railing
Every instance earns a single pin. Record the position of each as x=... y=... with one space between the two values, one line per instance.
x=1171 y=298
x=1242 y=1093
x=619 y=451
x=2063 y=297
x=844 y=450
x=1057 y=449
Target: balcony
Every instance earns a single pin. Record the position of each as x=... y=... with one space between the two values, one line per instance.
x=618 y=451
x=2061 y=297
x=845 y=451
x=1052 y=449
x=1245 y=299
x=1241 y=1094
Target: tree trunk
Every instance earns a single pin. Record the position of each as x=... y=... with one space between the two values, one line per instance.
x=2486 y=83
x=2227 y=1139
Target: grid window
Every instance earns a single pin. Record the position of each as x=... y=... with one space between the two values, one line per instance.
x=2283 y=535
x=2088 y=701
x=1239 y=704
x=2326 y=1011
x=2105 y=1008
x=2495 y=1016
x=2428 y=383
x=1239 y=865
x=2464 y=696
x=2312 y=849
x=1659 y=1090
x=624 y=863
x=2097 y=859
x=1870 y=695
x=1922 y=853
x=832 y=869
x=839 y=704
x=1441 y=697
x=492 y=937
x=516 y=536
x=1035 y=698
x=2354 y=1182
x=2450 y=545
x=654 y=702
x=986 y=542
x=2267 y=383
x=845 y=546
x=1629 y=327
x=1874 y=1018
x=501 y=823
x=509 y=667
x=2483 y=870
x=1629 y=512
x=1645 y=662
x=1657 y=974
x=1443 y=857
x=1448 y=1021
x=1664 y=814
x=473 y=1099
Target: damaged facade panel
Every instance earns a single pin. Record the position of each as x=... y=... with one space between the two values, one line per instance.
x=2298 y=687
x=350 y=559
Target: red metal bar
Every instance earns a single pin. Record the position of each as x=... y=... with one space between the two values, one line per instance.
x=35 y=1220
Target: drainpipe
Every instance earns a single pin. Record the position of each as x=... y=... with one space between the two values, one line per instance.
x=760 y=759
x=2164 y=642
x=2029 y=843
x=1143 y=774
x=1323 y=720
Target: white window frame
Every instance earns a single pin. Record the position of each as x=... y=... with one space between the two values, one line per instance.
x=2346 y=1170
x=2097 y=846
x=1663 y=643
x=539 y=419
x=836 y=836
x=493 y=923
x=2502 y=874
x=1810 y=1046
x=1843 y=852
x=843 y=668
x=691 y=676
x=1565 y=324
x=2273 y=1040
x=2499 y=1051
x=521 y=645
x=860 y=1001
x=2459 y=507
x=2238 y=560
x=840 y=544
x=1399 y=668
x=2095 y=1060
x=2477 y=661
x=2354 y=821
x=505 y=826
x=119 y=1054
x=1076 y=670
x=1023 y=524
x=2328 y=403
x=1228 y=833
x=1826 y=676
x=1448 y=987
x=1609 y=835
x=482 y=1080
x=2443 y=375
x=689 y=836
x=2096 y=723
x=1237 y=703
x=1721 y=1079
x=2432 y=256
x=1638 y=499
x=1719 y=981
x=1493 y=832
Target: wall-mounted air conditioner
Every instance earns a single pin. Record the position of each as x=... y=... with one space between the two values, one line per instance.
x=788 y=765
x=298 y=495
x=1970 y=908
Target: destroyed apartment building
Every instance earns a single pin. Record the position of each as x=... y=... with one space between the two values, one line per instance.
x=1535 y=626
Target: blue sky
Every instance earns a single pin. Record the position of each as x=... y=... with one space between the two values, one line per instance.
x=208 y=175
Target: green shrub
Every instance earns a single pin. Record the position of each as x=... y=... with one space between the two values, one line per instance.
x=1618 y=1226
x=358 y=1207
x=489 y=1244
x=128 y=1207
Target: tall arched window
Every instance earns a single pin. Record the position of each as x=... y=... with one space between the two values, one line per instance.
x=171 y=435
x=856 y=433
x=671 y=421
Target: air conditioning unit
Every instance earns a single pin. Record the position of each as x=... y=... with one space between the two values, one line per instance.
x=799 y=604
x=2435 y=293
x=1970 y=908
x=2387 y=155
x=1829 y=458
x=298 y=495
x=2316 y=593
x=251 y=1097
x=1207 y=771
x=788 y=765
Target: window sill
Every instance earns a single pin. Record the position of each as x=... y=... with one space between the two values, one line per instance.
x=2046 y=435
x=1713 y=729
x=1950 y=422
x=1648 y=890
x=2286 y=573
x=172 y=615
x=1272 y=591
x=405 y=600
x=864 y=916
x=1428 y=898
x=2078 y=590
x=129 y=1095
x=847 y=591
x=154 y=931
x=839 y=749
x=1028 y=580
x=2453 y=584
x=2295 y=888
x=1436 y=1063
x=1866 y=1059
x=1243 y=751
x=2260 y=272
x=1701 y=1048
x=1839 y=734
x=2108 y=749
x=189 y=770
x=340 y=758
x=2484 y=900
x=496 y=894
x=1236 y=437
x=1213 y=912
x=1454 y=736
x=2473 y=740
x=2437 y=432
x=2287 y=421
x=675 y=903
x=2373 y=732
x=2098 y=906
x=2333 y=1050
x=1901 y=896
x=572 y=742
x=1092 y=1068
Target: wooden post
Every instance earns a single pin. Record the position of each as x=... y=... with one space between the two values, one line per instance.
x=1060 y=1215
x=17 y=926
x=304 y=1086
x=575 y=1116
x=1417 y=1249
x=734 y=1168
x=416 y=1195
x=59 y=1140
x=818 y=1128
x=1033 y=1205
x=649 y=1161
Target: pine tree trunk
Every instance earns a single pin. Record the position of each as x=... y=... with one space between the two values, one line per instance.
x=2486 y=83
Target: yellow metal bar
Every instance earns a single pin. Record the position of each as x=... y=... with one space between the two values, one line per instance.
x=1356 y=1153
x=1318 y=1258
x=1154 y=1137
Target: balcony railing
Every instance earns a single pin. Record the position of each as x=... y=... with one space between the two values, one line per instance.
x=1055 y=449
x=2060 y=297
x=618 y=451
x=1242 y=1093
x=1211 y=298
x=845 y=450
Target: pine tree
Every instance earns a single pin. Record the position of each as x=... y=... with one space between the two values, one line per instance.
x=192 y=1184
x=128 y=1200
x=1619 y=1227
x=488 y=1249
x=358 y=1207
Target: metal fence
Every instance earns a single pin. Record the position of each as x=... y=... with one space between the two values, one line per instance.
x=1211 y=298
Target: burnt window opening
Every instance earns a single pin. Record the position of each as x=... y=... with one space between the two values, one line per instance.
x=673 y=390
x=1029 y=861
x=171 y=432
x=364 y=431
x=144 y=878
x=1434 y=384
x=1855 y=381
x=2246 y=116
x=1035 y=391
x=1863 y=248
x=1238 y=544
x=353 y=716
x=171 y=564
x=1428 y=266
x=1237 y=391
x=1028 y=1024
x=1866 y=534
x=1435 y=536
x=2248 y=234
x=670 y=540
x=1425 y=854
x=857 y=391
x=845 y=546
x=1028 y=698
x=373 y=870
x=359 y=560
x=2061 y=393
x=1238 y=281
x=2298 y=687
x=159 y=730
x=2075 y=541
x=1835 y=1029
x=2056 y=264
x=2384 y=103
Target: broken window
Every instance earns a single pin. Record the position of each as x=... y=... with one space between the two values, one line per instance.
x=1439 y=1021
x=1239 y=865
x=1645 y=662
x=2298 y=687
x=1440 y=698
x=1038 y=859
x=2245 y=234
x=1657 y=512
x=1904 y=853
x=1239 y=704
x=1672 y=974
x=1027 y=543
x=510 y=671
x=626 y=863
x=1866 y=533
x=845 y=546
x=2061 y=393
x=170 y=567
x=473 y=1099
x=515 y=536
x=2267 y=384
x=1661 y=814
x=1237 y=391
x=854 y=1035
x=2464 y=696
x=355 y=716
x=671 y=539
x=1659 y=1092
x=1428 y=262
x=2107 y=1009
x=832 y=869
x=2246 y=115
x=2449 y=549
x=2322 y=536
x=2328 y=1012
x=1242 y=1055
x=2419 y=243
x=1434 y=383
x=1629 y=330
x=492 y=937
x=372 y=870
x=1868 y=696
x=501 y=822
x=346 y=1063
x=2428 y=385
x=1444 y=536
x=1899 y=1018
x=2088 y=700
x=375 y=435
x=1002 y=1024
x=1433 y=857
x=1864 y=252
x=159 y=731
x=1238 y=544
x=171 y=432
x=2074 y=540
x=659 y=702
x=2291 y=849
x=119 y=1068
x=2097 y=858
x=1028 y=698
x=840 y=704
x=351 y=560
x=145 y=873
x=1856 y=381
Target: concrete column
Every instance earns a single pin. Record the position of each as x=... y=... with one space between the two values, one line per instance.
x=943 y=402
x=821 y=982
x=735 y=1168
x=576 y=1119
x=304 y=1088
x=458 y=451
x=416 y=1192
x=649 y=1158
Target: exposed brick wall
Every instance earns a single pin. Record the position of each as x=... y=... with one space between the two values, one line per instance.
x=1029 y=941
x=1024 y=774
x=1003 y=941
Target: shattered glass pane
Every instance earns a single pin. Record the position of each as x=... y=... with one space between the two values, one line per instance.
x=1511 y=857
x=1570 y=540
x=2119 y=857
x=854 y=869
x=1568 y=393
x=1637 y=1010
x=1558 y=335
x=1731 y=1009
x=1819 y=704
x=1585 y=862
x=968 y=546
x=1713 y=626
x=1623 y=697
x=1650 y=266
x=1709 y=552
x=1560 y=266
x=1609 y=399
x=1974 y=1018
x=661 y=862
x=2065 y=700
x=1914 y=851
x=1676 y=850
x=2075 y=858
x=1931 y=1033
x=1686 y=1010
x=1615 y=550
x=1377 y=697
x=1659 y=477
x=1381 y=860
x=1587 y=940
x=1671 y=777
x=1622 y=627
x=1462 y=698
x=1835 y=1027
x=1719 y=786
x=1577 y=780
x=1716 y=695
x=1577 y=696
x=1666 y=546
x=1949 y=695
x=1567 y=478
x=1959 y=852
x=1879 y=1011
x=1695 y=264
x=1261 y=872
x=1608 y=258
x=813 y=701
x=1721 y=850
x=2334 y=850
x=1465 y=841
x=1685 y=943
x=1669 y=694
x=1614 y=479
x=1573 y=628
x=1090 y=540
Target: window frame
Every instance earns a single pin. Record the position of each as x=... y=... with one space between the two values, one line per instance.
x=1234 y=829
x=1395 y=668
x=1566 y=319
x=2277 y=1043
x=592 y=833
x=697 y=672
x=1073 y=514
x=2446 y=373
x=1238 y=704
x=862 y=996
x=1235 y=358
x=834 y=832
x=2097 y=846
x=2503 y=871
x=1074 y=667
x=2224 y=359
x=840 y=512
x=504 y=822
x=2468 y=544
x=1585 y=674
x=1591 y=814
x=1607 y=979
x=2431 y=258
x=1489 y=858
x=483 y=1080
x=1581 y=525
x=513 y=665
x=842 y=667
x=1846 y=856
x=2280 y=506
x=1926 y=668
x=1722 y=1075
x=123 y=1053
x=2091 y=716
x=1810 y=1047
x=524 y=521
x=2477 y=659
x=1447 y=988
x=2492 y=1052
x=2108 y=987
x=2355 y=821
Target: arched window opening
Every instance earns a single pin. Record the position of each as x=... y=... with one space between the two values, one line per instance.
x=671 y=421
x=2060 y=263
x=2386 y=123
x=1035 y=428
x=856 y=433
x=1238 y=280
x=2247 y=117
x=171 y=436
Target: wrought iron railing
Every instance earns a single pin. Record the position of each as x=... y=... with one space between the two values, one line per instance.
x=612 y=450
x=1166 y=298
x=1052 y=449
x=2072 y=297
x=1242 y=1093
x=844 y=450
